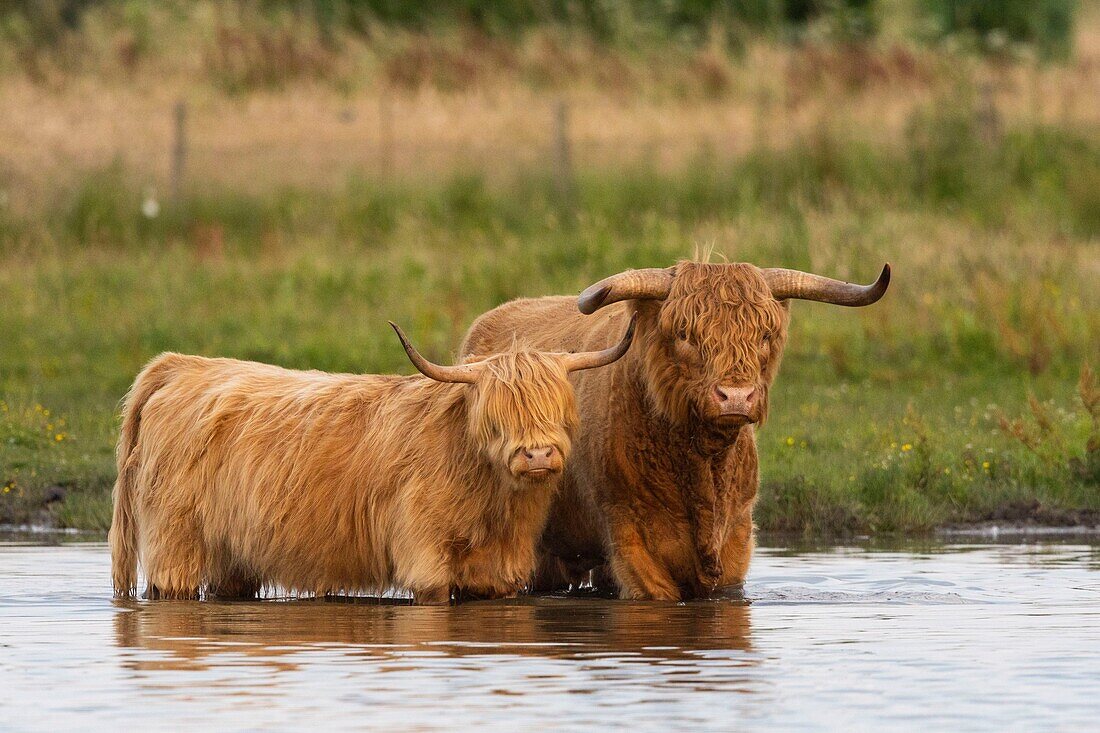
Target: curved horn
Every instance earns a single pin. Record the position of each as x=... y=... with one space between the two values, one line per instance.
x=462 y=373
x=650 y=283
x=786 y=284
x=593 y=359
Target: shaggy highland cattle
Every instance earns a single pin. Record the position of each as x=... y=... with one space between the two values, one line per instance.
x=235 y=475
x=662 y=481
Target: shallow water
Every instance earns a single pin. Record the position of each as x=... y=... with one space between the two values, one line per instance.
x=975 y=636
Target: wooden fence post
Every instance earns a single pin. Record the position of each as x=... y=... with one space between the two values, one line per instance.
x=563 y=157
x=179 y=150
x=988 y=117
x=386 y=144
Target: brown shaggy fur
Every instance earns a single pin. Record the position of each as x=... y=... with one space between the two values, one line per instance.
x=657 y=486
x=234 y=475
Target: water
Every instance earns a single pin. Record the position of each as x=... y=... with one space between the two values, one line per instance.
x=959 y=636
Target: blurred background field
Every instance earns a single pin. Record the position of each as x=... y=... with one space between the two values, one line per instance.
x=274 y=180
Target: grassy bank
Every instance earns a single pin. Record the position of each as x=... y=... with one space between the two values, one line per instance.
x=957 y=398
x=341 y=170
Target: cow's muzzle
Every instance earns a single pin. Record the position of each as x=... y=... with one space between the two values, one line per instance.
x=536 y=463
x=735 y=404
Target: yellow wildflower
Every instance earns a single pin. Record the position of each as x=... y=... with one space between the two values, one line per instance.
x=790 y=440
x=907 y=447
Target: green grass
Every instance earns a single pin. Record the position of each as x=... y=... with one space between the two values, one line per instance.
x=906 y=415
x=888 y=457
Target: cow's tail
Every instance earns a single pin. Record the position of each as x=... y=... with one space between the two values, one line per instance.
x=123 y=536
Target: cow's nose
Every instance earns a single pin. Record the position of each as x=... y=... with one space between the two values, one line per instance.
x=735 y=400
x=542 y=458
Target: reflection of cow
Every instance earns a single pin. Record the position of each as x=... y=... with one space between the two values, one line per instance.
x=663 y=475
x=234 y=475
x=195 y=634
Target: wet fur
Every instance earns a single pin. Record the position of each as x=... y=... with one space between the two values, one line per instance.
x=235 y=475
x=655 y=488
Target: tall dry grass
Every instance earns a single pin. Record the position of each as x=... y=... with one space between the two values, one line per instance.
x=413 y=106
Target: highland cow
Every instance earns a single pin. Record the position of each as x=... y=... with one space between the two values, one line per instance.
x=235 y=475
x=660 y=489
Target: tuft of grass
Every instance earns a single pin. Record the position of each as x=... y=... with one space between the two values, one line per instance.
x=86 y=510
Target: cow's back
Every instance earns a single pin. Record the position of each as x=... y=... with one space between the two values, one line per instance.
x=265 y=463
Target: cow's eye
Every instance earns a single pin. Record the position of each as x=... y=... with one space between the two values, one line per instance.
x=682 y=334
x=767 y=337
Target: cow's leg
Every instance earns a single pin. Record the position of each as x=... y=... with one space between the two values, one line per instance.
x=226 y=578
x=462 y=595
x=174 y=560
x=439 y=595
x=699 y=500
x=737 y=551
x=571 y=543
x=168 y=589
x=638 y=574
x=737 y=495
x=603 y=580
x=551 y=574
x=233 y=587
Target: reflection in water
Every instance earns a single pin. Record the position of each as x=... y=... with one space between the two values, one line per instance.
x=960 y=636
x=194 y=634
